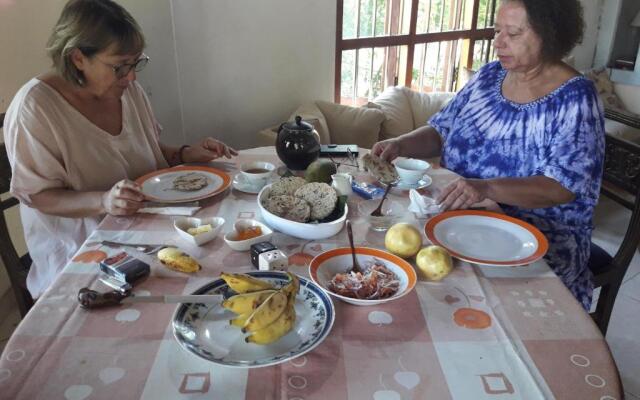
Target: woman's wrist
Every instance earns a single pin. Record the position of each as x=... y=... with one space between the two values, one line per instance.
x=178 y=156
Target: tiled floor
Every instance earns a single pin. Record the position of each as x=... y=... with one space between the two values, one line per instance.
x=624 y=329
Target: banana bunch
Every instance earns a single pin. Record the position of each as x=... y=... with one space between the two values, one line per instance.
x=265 y=312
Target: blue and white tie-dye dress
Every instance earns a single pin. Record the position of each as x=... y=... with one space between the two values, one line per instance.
x=560 y=136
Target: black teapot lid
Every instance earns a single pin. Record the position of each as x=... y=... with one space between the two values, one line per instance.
x=297 y=125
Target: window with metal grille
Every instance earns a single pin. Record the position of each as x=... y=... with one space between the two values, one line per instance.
x=428 y=45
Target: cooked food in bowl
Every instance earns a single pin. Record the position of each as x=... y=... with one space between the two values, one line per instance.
x=376 y=282
x=190 y=182
x=295 y=200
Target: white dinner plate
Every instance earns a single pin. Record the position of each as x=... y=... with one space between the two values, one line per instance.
x=204 y=329
x=487 y=238
x=158 y=185
x=403 y=186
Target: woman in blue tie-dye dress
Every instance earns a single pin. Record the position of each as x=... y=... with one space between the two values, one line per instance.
x=527 y=131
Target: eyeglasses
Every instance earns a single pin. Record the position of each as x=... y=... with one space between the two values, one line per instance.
x=122 y=70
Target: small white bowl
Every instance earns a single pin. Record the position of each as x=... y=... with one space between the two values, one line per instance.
x=301 y=230
x=244 y=245
x=183 y=224
x=254 y=178
x=326 y=265
x=411 y=170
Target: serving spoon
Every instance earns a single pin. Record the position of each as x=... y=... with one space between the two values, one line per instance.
x=356 y=267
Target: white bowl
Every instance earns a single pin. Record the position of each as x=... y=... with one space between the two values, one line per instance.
x=310 y=231
x=326 y=265
x=183 y=224
x=411 y=170
x=244 y=245
x=257 y=178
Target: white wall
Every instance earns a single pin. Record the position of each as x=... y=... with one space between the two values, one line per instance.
x=584 y=53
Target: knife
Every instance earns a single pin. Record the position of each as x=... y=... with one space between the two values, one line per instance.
x=143 y=248
x=92 y=299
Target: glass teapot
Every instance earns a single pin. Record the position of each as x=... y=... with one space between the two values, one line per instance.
x=297 y=144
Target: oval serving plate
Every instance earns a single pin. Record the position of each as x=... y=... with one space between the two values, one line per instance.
x=204 y=329
x=158 y=185
x=487 y=238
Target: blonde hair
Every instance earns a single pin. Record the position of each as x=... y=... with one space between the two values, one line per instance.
x=91 y=26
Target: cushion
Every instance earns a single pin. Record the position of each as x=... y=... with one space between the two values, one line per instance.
x=604 y=87
x=312 y=114
x=424 y=105
x=397 y=110
x=352 y=125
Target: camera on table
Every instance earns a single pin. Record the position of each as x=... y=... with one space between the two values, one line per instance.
x=266 y=257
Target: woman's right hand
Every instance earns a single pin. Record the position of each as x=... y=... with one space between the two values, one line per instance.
x=124 y=198
x=388 y=149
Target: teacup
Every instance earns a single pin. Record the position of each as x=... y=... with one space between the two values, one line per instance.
x=257 y=173
x=411 y=170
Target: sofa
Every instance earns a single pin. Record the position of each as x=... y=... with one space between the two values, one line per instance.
x=395 y=111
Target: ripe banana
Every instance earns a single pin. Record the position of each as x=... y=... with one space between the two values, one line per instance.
x=276 y=330
x=177 y=260
x=267 y=312
x=246 y=302
x=291 y=289
x=240 y=320
x=241 y=283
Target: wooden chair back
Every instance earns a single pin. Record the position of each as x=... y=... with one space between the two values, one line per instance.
x=621 y=182
x=17 y=266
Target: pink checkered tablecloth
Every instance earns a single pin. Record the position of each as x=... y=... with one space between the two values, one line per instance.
x=540 y=344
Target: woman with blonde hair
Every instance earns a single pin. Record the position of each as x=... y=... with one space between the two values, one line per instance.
x=79 y=135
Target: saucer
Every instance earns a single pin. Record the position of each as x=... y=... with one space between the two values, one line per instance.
x=240 y=183
x=403 y=186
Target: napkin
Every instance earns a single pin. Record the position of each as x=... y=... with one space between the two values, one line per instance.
x=422 y=205
x=170 y=210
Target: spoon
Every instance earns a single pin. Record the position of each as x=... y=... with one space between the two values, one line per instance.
x=378 y=211
x=356 y=268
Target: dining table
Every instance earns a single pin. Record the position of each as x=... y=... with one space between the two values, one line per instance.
x=536 y=341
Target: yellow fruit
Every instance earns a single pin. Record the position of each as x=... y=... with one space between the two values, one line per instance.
x=276 y=330
x=242 y=283
x=267 y=312
x=177 y=260
x=246 y=302
x=434 y=262
x=240 y=320
x=403 y=240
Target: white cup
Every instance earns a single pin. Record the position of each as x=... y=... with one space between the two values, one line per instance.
x=411 y=170
x=257 y=172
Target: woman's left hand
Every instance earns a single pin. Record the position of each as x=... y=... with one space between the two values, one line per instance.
x=462 y=194
x=208 y=149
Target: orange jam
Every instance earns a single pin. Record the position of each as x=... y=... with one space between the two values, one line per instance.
x=249 y=233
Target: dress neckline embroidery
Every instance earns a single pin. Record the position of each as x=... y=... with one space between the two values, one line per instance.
x=524 y=106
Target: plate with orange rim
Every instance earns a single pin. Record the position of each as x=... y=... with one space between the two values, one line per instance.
x=487 y=238
x=158 y=185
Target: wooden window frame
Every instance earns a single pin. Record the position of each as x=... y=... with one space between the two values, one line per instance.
x=410 y=40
